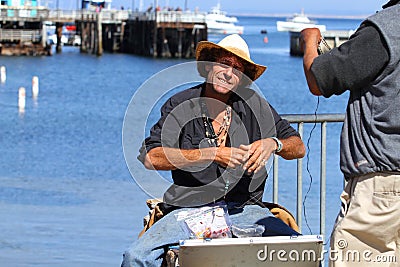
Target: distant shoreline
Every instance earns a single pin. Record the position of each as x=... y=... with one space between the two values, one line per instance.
x=319 y=16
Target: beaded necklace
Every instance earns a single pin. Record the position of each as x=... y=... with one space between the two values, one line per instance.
x=218 y=138
x=213 y=139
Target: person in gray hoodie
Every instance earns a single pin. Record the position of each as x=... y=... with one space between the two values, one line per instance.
x=367 y=229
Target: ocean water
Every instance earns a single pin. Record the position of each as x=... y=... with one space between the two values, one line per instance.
x=67 y=197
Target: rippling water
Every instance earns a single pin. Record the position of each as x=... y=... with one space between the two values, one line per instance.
x=66 y=195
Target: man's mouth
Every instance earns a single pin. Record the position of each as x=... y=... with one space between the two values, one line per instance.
x=223 y=81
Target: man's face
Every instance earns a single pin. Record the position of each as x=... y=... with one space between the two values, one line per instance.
x=225 y=74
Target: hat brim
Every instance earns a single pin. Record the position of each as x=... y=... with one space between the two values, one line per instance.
x=252 y=70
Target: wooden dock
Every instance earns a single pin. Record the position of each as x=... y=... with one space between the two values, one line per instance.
x=164 y=34
x=157 y=33
x=334 y=38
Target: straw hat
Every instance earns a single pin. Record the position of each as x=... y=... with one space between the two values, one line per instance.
x=233 y=44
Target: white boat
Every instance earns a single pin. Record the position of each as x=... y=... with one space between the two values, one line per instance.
x=219 y=23
x=297 y=23
x=68 y=37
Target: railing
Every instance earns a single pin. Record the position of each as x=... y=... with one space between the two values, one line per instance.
x=37 y=13
x=72 y=15
x=23 y=14
x=44 y=14
x=321 y=119
x=20 y=35
x=178 y=16
x=64 y=15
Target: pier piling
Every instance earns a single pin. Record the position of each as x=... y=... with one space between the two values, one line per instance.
x=3 y=75
x=35 y=86
x=59 y=27
x=21 y=99
x=334 y=38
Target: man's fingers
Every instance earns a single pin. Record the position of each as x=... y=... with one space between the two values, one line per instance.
x=253 y=160
x=255 y=165
x=245 y=147
x=233 y=157
x=234 y=163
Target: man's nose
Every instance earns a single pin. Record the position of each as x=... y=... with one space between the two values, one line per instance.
x=228 y=72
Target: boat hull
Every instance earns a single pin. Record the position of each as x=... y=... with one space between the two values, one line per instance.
x=212 y=29
x=288 y=26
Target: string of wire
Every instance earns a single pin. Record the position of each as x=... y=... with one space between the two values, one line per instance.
x=308 y=167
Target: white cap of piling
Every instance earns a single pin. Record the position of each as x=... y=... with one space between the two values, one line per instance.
x=3 y=75
x=21 y=99
x=35 y=86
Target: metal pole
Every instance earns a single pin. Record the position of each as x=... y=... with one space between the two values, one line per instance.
x=311 y=118
x=275 y=181
x=323 y=178
x=299 y=207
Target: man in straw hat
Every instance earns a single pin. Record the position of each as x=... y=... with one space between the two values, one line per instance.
x=368 y=66
x=216 y=139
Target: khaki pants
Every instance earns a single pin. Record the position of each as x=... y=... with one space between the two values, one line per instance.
x=367 y=229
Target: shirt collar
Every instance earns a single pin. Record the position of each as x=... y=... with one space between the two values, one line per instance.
x=235 y=100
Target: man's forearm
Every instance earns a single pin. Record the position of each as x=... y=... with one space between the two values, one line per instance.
x=308 y=59
x=293 y=148
x=166 y=158
x=309 y=40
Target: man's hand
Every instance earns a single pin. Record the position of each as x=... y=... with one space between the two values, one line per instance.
x=309 y=39
x=257 y=154
x=230 y=156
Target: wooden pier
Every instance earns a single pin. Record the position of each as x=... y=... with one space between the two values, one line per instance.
x=157 y=33
x=164 y=34
x=334 y=38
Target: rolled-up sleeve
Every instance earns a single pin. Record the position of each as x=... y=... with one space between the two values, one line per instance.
x=154 y=139
x=283 y=128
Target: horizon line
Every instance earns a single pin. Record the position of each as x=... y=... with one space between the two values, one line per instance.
x=321 y=16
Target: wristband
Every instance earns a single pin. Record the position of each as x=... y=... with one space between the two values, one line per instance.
x=278 y=143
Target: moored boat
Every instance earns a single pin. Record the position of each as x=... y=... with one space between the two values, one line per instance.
x=297 y=23
x=219 y=23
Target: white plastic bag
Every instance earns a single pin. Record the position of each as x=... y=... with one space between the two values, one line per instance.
x=206 y=222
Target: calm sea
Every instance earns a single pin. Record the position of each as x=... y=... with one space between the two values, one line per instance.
x=67 y=197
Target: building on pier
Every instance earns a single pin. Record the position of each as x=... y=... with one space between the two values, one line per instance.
x=19 y=3
x=23 y=31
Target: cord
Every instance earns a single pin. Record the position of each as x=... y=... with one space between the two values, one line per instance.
x=308 y=169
